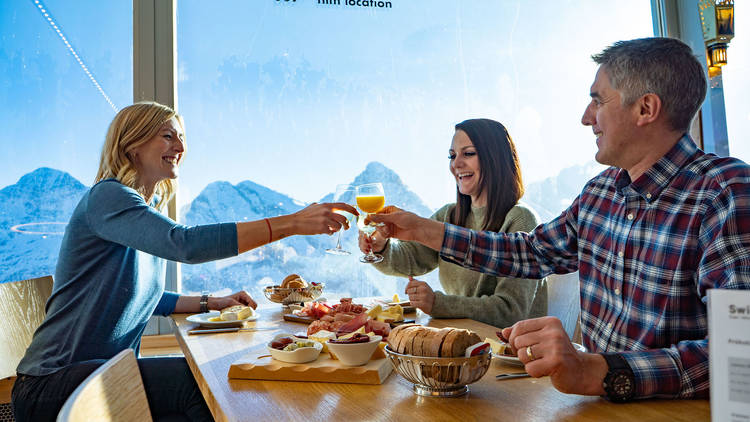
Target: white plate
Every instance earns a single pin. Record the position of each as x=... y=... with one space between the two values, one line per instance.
x=513 y=361
x=203 y=320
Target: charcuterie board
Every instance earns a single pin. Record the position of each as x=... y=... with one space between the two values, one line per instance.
x=257 y=365
x=309 y=320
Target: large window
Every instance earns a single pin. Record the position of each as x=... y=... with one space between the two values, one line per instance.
x=737 y=84
x=285 y=99
x=64 y=69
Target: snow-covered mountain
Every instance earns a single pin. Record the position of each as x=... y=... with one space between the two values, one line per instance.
x=33 y=215
x=552 y=195
x=304 y=255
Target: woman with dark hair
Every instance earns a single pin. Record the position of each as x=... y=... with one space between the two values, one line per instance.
x=484 y=162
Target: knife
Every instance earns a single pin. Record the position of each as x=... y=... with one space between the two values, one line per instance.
x=228 y=330
x=511 y=376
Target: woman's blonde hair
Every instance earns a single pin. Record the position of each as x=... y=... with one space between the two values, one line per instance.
x=132 y=127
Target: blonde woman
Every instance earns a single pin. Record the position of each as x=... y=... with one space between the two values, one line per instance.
x=110 y=273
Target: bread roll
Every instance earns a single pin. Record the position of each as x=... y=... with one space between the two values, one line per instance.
x=293 y=281
x=413 y=339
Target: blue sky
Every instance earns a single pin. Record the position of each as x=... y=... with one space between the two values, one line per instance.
x=300 y=97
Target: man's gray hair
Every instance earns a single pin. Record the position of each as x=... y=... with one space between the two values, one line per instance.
x=662 y=66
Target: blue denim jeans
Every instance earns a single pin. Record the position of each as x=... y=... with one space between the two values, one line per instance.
x=172 y=392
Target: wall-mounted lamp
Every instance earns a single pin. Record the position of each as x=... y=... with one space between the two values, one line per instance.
x=717 y=20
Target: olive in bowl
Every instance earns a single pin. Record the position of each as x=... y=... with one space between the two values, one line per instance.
x=291 y=349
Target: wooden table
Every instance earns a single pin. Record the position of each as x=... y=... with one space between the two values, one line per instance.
x=524 y=399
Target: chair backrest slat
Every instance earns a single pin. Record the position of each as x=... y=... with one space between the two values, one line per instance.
x=22 y=308
x=114 y=392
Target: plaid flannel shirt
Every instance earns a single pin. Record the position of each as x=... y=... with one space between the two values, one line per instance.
x=646 y=252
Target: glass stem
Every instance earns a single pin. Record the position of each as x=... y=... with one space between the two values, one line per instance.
x=338 y=242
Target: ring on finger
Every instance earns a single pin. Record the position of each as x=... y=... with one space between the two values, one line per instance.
x=529 y=353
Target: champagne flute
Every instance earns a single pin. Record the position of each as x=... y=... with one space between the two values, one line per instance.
x=370 y=199
x=344 y=193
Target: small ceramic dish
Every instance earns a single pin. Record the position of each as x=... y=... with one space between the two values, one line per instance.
x=300 y=355
x=354 y=354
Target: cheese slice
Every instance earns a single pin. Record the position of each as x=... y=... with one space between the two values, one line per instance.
x=497 y=347
x=361 y=330
x=375 y=311
x=236 y=313
x=379 y=353
x=322 y=337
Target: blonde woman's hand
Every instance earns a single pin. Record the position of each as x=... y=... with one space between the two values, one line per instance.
x=238 y=298
x=321 y=218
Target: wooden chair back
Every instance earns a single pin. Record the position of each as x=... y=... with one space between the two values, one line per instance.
x=564 y=302
x=114 y=392
x=22 y=308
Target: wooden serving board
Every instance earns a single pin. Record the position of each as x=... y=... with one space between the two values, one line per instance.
x=297 y=318
x=323 y=369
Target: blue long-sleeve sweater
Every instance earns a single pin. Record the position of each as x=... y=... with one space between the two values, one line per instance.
x=110 y=276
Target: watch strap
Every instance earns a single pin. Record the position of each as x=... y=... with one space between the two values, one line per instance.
x=619 y=371
x=204 y=303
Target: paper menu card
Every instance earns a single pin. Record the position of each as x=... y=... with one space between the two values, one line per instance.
x=729 y=354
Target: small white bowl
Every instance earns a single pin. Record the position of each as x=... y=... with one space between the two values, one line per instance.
x=301 y=355
x=354 y=354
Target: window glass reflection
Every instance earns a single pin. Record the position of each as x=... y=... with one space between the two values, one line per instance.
x=65 y=68
x=285 y=100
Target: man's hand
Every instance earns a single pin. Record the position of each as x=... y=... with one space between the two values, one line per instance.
x=408 y=226
x=420 y=294
x=571 y=371
x=239 y=298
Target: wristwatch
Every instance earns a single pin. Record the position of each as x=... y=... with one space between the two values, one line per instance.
x=619 y=383
x=204 y=302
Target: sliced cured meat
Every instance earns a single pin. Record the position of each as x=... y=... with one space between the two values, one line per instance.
x=343 y=316
x=377 y=327
x=353 y=325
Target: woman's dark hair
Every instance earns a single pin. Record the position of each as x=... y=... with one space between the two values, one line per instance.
x=501 y=173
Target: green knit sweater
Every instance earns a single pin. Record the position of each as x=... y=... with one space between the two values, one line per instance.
x=498 y=301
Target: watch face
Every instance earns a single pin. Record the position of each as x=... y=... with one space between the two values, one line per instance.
x=622 y=385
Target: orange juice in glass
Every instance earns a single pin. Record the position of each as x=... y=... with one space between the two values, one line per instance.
x=371 y=203
x=370 y=199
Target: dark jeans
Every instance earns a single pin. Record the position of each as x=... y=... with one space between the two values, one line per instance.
x=172 y=392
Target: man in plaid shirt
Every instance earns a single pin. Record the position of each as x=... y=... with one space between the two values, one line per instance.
x=649 y=236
